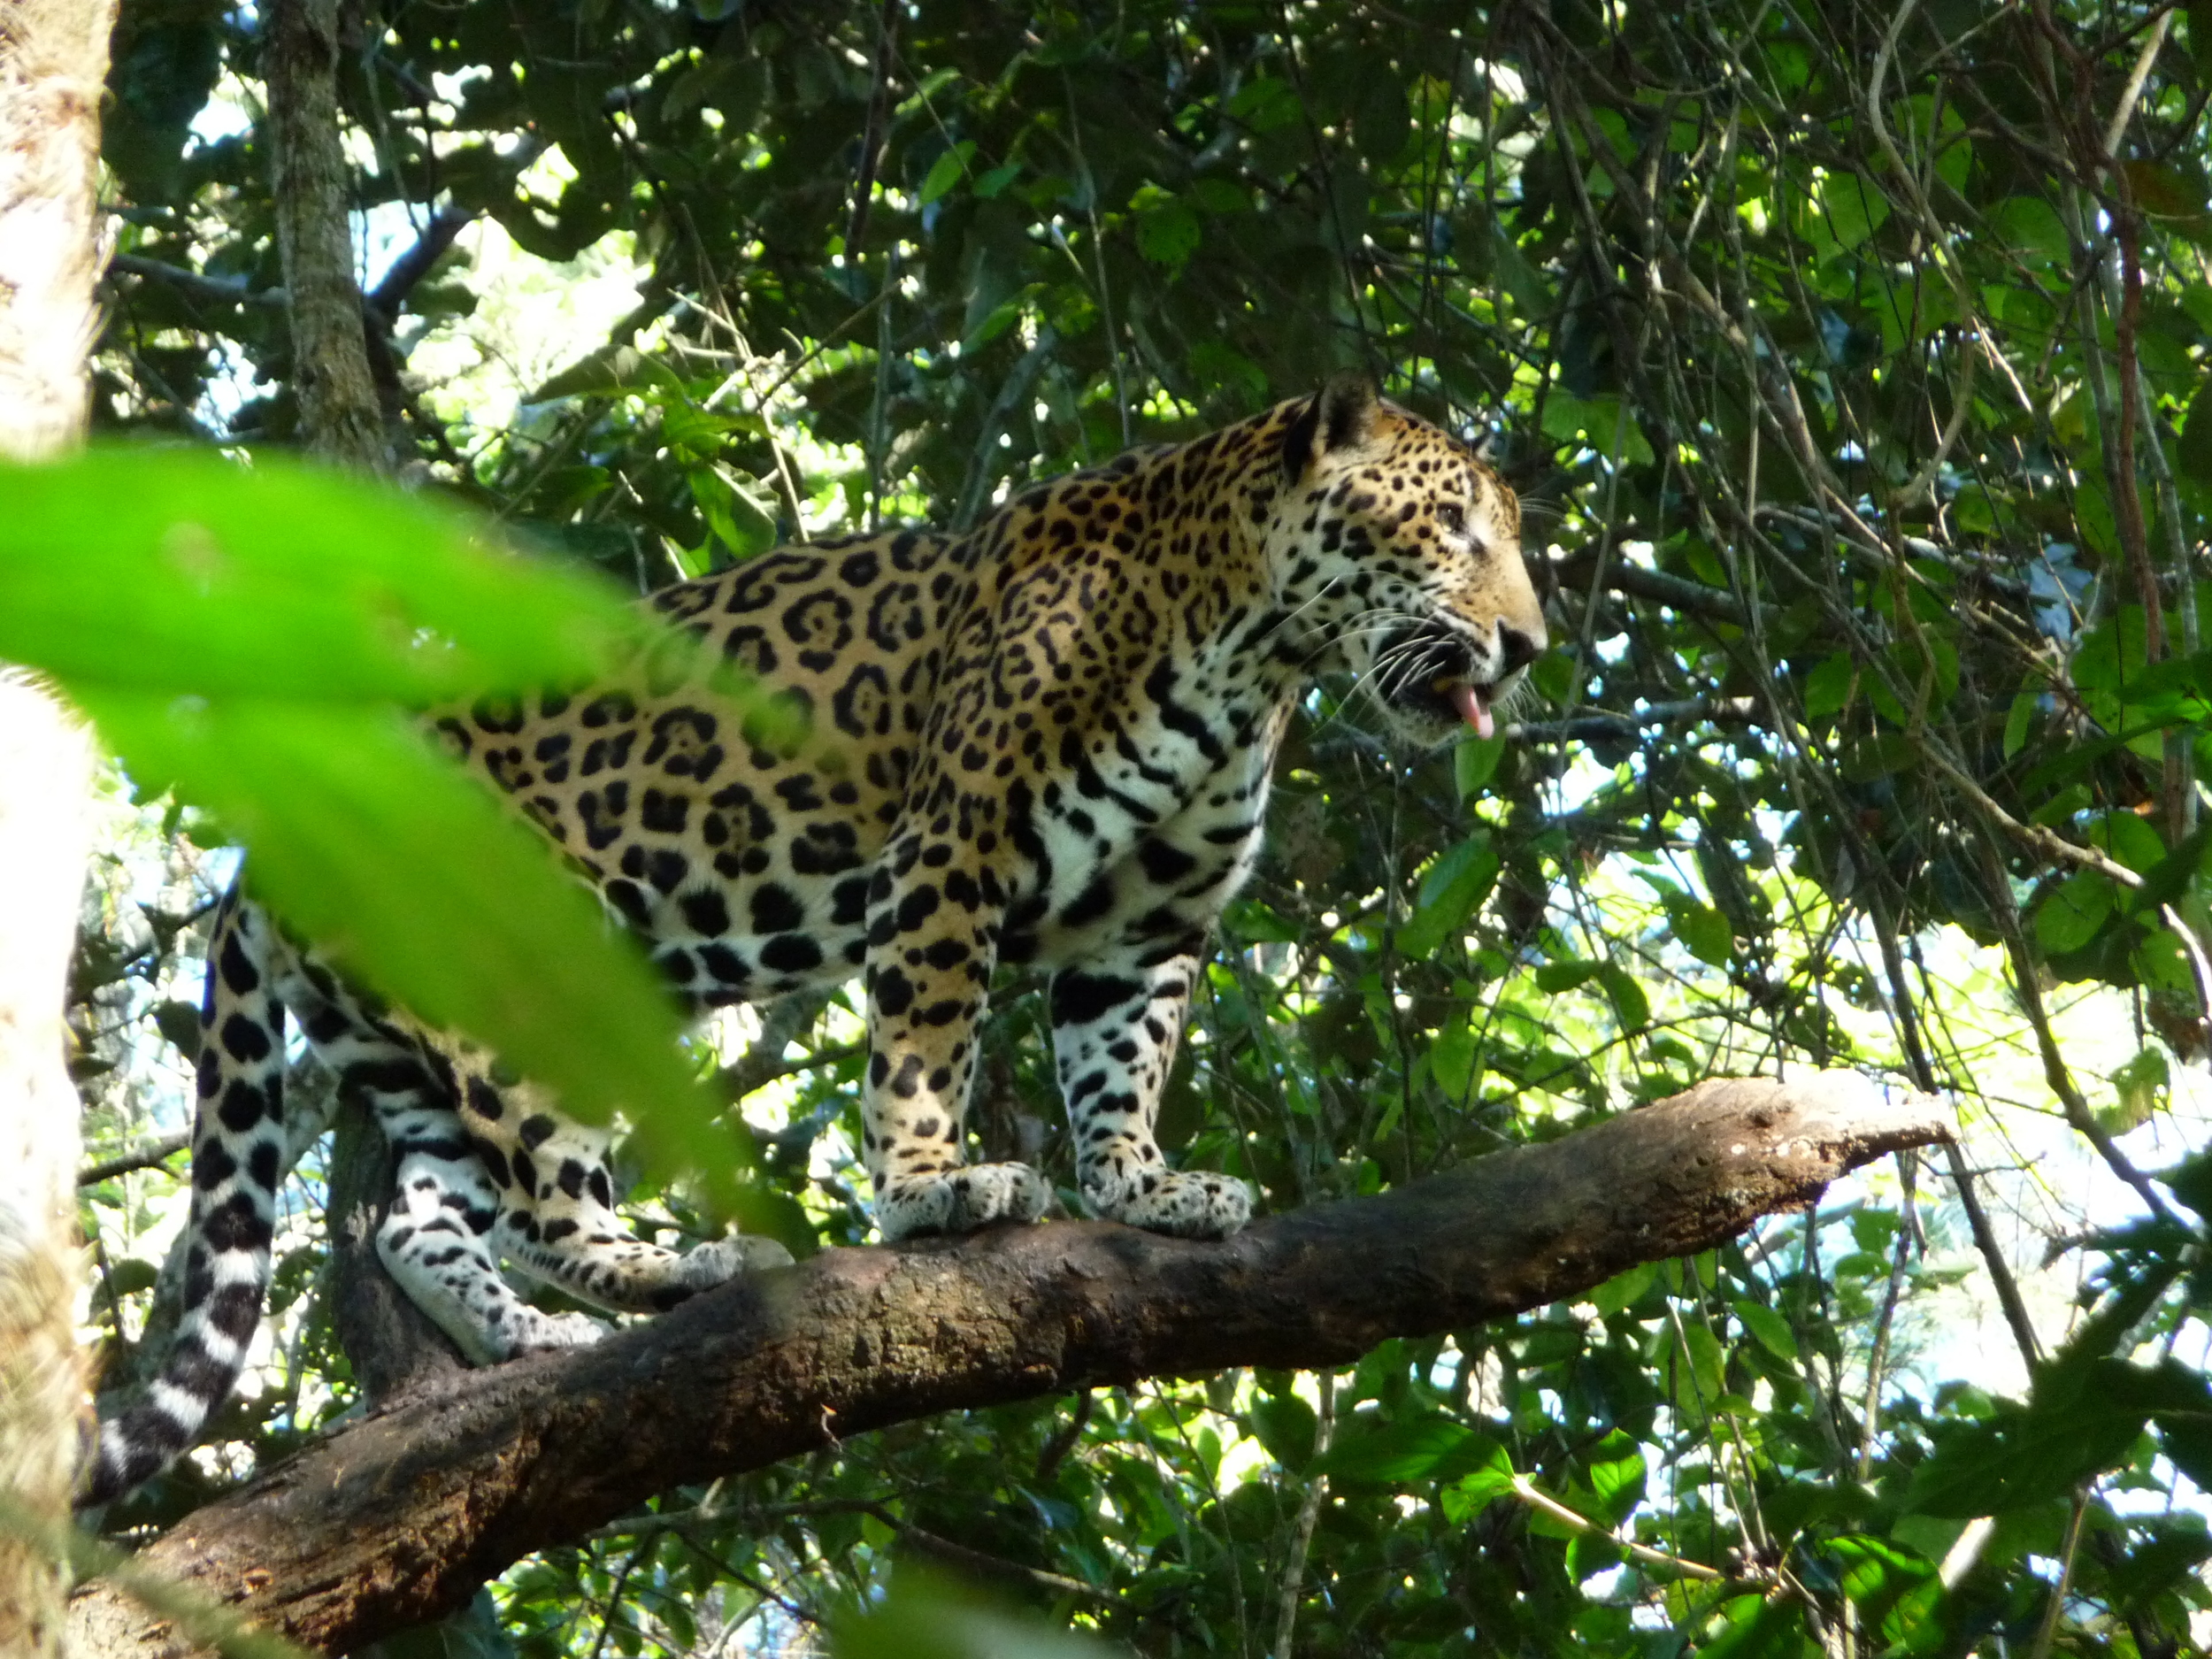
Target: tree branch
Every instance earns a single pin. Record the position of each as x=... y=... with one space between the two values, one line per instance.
x=143 y=1156
x=196 y=285
x=398 y=1518
x=391 y=291
x=1680 y=593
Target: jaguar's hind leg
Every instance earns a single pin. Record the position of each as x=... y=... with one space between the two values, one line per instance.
x=436 y=1241
x=556 y=1199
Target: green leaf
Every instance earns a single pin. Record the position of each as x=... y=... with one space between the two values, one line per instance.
x=1625 y=1290
x=2161 y=190
x=1459 y=880
x=926 y=1616
x=2139 y=1089
x=1454 y=1059
x=1471 y=1493
x=1474 y=762
x=1828 y=687
x=180 y=1023
x=1603 y=424
x=1168 y=235
x=2069 y=916
x=1760 y=1629
x=2017 y=717
x=1381 y=119
x=2185 y=1437
x=2193 y=454
x=741 y=521
x=129 y=1276
x=1631 y=1006
x=1853 y=209
x=1704 y=932
x=1617 y=1475
x=473 y=1633
x=1553 y=674
x=2030 y=226
x=1876 y=1573
x=1700 y=1367
x=946 y=171
x=2191 y=1182
x=1265 y=104
x=995 y=180
x=1879 y=756
x=1532 y=294
x=1432 y=1448
x=169 y=572
x=1771 y=1328
x=2130 y=841
x=1555 y=977
x=1285 y=1425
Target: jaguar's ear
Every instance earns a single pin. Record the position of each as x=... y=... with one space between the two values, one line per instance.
x=1341 y=415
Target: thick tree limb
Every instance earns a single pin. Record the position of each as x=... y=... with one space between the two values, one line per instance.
x=398 y=1518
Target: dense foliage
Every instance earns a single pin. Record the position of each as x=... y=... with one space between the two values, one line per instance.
x=1849 y=357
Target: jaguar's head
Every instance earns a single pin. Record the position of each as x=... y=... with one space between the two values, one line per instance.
x=1396 y=554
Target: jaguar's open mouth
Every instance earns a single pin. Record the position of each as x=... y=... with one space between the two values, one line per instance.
x=1428 y=670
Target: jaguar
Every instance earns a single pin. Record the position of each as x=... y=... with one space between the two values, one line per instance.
x=914 y=757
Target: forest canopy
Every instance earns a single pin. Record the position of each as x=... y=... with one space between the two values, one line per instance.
x=1849 y=361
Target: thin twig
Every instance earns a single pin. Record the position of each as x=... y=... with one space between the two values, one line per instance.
x=2048 y=1630
x=1878 y=1356
x=1064 y=1439
x=1309 y=1513
x=1526 y=1491
x=871 y=134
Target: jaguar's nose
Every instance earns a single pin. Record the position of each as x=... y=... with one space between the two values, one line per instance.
x=1515 y=649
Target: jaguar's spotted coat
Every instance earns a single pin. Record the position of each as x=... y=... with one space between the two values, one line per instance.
x=1047 y=741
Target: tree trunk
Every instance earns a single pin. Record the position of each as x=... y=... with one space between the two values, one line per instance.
x=398 y=1519
x=340 y=418
x=53 y=62
x=45 y=771
x=389 y=1340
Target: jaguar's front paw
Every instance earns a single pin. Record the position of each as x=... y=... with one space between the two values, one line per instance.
x=719 y=1261
x=960 y=1201
x=531 y=1332
x=1186 y=1205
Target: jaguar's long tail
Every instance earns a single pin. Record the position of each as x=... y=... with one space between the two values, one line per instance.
x=240 y=1155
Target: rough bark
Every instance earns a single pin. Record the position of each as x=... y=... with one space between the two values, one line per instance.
x=53 y=61
x=398 y=1519
x=45 y=774
x=340 y=418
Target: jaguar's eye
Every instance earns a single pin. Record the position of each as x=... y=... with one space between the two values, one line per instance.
x=1452 y=515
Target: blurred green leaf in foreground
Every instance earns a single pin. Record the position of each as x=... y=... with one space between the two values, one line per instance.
x=245 y=635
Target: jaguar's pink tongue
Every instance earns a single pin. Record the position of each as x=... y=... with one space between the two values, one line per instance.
x=1474 y=711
